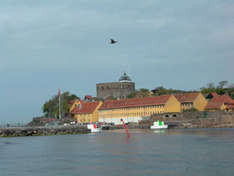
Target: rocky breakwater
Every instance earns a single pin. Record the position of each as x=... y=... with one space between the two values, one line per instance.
x=42 y=131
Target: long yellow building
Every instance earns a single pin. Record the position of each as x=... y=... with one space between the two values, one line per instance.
x=135 y=109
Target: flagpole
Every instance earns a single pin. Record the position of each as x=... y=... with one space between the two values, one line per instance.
x=59 y=94
x=59 y=107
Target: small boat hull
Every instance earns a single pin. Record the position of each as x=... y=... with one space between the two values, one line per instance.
x=96 y=130
x=159 y=125
x=93 y=128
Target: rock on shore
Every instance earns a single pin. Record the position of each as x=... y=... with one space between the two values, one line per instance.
x=42 y=131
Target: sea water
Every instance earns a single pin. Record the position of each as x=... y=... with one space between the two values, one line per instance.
x=186 y=152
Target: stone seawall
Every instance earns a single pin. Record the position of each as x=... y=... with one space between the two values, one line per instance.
x=197 y=119
x=42 y=131
x=187 y=120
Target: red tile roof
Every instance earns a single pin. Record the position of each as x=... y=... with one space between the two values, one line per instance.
x=135 y=102
x=214 y=94
x=214 y=105
x=226 y=99
x=218 y=100
x=88 y=96
x=85 y=107
x=186 y=97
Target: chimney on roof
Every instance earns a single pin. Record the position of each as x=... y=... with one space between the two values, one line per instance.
x=88 y=98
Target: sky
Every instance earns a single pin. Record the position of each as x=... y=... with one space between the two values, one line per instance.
x=50 y=44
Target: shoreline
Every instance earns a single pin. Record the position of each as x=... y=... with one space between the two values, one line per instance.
x=70 y=130
x=184 y=120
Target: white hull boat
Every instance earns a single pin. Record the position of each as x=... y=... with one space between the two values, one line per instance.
x=158 y=125
x=94 y=128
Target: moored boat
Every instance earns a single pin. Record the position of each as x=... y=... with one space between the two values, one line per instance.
x=159 y=125
x=94 y=128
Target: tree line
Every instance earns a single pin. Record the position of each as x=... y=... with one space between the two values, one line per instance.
x=221 y=88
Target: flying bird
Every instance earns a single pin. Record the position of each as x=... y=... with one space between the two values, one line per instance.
x=112 y=41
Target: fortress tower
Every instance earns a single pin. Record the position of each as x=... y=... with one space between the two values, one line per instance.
x=119 y=90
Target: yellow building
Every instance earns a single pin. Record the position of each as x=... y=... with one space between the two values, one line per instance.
x=73 y=104
x=220 y=102
x=86 y=112
x=192 y=101
x=135 y=109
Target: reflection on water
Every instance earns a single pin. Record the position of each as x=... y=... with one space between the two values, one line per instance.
x=159 y=131
x=168 y=152
x=7 y=142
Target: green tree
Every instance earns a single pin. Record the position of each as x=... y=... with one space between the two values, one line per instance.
x=209 y=89
x=132 y=95
x=222 y=84
x=144 y=92
x=230 y=91
x=221 y=88
x=51 y=107
x=162 y=91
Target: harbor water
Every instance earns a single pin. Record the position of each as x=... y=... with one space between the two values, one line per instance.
x=173 y=152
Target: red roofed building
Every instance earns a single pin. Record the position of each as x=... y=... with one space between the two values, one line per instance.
x=193 y=100
x=73 y=103
x=133 y=110
x=87 y=97
x=86 y=112
x=220 y=102
x=211 y=95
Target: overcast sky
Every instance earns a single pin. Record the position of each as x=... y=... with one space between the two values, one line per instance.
x=51 y=44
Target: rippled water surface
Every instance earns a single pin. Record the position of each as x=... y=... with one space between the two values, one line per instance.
x=187 y=152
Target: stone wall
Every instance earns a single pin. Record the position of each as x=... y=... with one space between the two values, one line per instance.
x=115 y=89
x=217 y=119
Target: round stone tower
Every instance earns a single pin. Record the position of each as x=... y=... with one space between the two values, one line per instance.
x=118 y=90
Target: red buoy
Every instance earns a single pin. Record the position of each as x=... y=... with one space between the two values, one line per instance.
x=126 y=129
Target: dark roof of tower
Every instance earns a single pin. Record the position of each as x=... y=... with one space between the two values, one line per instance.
x=125 y=78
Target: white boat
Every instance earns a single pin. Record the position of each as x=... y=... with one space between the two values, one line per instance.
x=159 y=125
x=94 y=128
